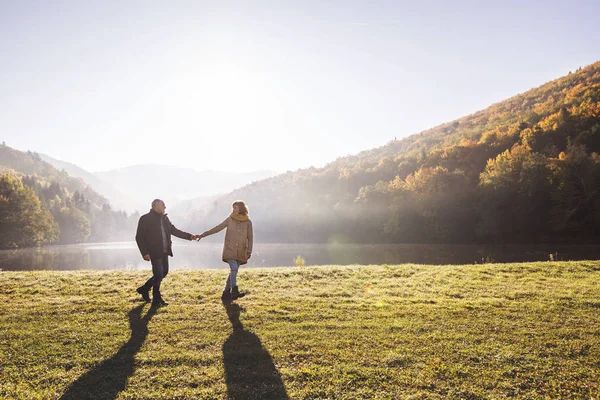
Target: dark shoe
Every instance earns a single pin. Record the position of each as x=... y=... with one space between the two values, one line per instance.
x=158 y=301
x=235 y=293
x=144 y=292
x=156 y=304
x=226 y=296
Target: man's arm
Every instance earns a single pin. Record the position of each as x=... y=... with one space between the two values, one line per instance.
x=140 y=238
x=178 y=233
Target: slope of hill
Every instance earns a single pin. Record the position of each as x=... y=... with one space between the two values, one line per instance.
x=142 y=183
x=117 y=199
x=522 y=170
x=30 y=163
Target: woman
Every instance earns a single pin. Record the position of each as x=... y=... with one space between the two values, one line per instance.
x=237 y=248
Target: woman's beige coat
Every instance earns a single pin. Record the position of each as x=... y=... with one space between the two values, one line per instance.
x=238 y=239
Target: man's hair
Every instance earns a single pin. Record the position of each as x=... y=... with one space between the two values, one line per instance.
x=156 y=201
x=242 y=206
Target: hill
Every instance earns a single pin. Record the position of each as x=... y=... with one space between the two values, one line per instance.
x=40 y=204
x=30 y=163
x=497 y=331
x=523 y=170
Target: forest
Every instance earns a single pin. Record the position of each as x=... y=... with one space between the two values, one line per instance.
x=525 y=170
x=41 y=205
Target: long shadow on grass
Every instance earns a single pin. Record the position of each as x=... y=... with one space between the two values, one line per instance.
x=108 y=378
x=249 y=369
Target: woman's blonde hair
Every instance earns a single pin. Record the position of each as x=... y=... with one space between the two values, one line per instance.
x=242 y=207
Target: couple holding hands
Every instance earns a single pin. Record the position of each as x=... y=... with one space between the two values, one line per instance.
x=153 y=238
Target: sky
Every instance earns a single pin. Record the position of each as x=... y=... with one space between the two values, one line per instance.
x=277 y=85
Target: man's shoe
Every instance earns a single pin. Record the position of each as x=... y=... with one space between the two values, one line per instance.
x=144 y=292
x=235 y=293
x=158 y=301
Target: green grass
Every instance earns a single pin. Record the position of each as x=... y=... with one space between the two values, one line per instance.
x=476 y=331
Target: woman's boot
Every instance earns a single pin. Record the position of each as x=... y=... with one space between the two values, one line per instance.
x=235 y=293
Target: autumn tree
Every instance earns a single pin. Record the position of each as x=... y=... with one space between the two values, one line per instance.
x=576 y=196
x=515 y=196
x=22 y=220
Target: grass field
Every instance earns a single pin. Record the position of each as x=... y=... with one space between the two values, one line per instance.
x=389 y=332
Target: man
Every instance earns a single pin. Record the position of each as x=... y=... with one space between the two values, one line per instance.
x=154 y=241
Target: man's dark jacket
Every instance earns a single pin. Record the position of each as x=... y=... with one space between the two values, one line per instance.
x=149 y=235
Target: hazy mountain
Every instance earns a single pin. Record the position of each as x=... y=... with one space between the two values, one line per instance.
x=117 y=199
x=142 y=183
x=132 y=188
x=191 y=208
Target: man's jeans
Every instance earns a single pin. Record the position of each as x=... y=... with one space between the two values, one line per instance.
x=160 y=269
x=234 y=266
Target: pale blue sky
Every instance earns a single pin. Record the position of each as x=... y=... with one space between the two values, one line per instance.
x=267 y=84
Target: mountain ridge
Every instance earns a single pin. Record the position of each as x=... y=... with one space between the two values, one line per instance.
x=32 y=163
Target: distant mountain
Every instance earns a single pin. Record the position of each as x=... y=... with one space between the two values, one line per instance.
x=132 y=188
x=117 y=199
x=524 y=170
x=193 y=208
x=142 y=183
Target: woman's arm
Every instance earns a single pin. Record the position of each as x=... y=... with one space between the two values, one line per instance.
x=250 y=238
x=216 y=229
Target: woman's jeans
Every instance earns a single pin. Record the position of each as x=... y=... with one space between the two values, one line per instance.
x=234 y=266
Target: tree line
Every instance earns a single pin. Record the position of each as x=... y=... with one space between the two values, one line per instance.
x=34 y=212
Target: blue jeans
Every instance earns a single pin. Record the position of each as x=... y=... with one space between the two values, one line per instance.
x=234 y=266
x=160 y=269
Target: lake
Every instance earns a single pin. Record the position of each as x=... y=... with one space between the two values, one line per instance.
x=203 y=255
